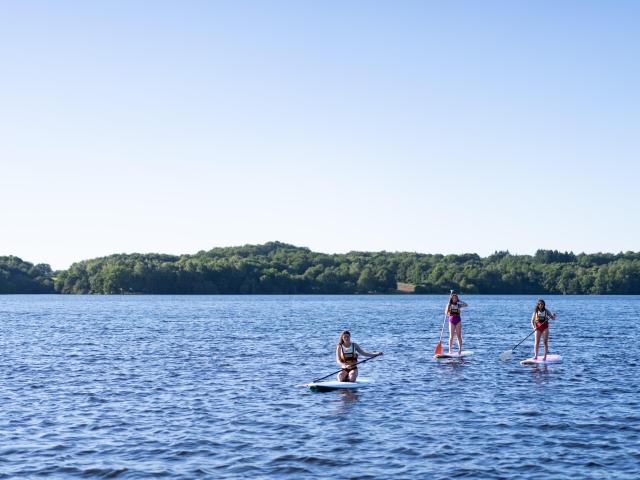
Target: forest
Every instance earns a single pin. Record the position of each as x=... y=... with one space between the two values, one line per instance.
x=279 y=268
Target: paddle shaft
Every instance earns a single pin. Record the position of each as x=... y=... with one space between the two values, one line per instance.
x=338 y=371
x=531 y=332
x=444 y=321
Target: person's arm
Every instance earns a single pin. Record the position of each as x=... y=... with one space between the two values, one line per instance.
x=551 y=315
x=367 y=354
x=339 y=359
x=533 y=320
x=461 y=304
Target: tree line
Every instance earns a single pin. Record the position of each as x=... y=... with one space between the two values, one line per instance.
x=17 y=276
x=279 y=268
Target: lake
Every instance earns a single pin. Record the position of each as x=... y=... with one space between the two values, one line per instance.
x=208 y=387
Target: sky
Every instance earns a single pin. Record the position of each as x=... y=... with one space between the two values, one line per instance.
x=432 y=127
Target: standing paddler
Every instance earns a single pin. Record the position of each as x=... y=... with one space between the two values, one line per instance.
x=452 y=310
x=540 y=322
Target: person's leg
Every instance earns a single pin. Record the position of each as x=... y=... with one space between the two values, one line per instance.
x=343 y=375
x=452 y=328
x=545 y=339
x=536 y=343
x=459 y=335
x=353 y=374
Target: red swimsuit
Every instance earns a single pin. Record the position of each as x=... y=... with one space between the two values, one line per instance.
x=542 y=323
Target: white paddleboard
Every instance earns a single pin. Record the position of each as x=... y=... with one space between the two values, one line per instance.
x=465 y=353
x=336 y=385
x=537 y=361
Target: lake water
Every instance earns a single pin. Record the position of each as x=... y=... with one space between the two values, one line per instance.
x=206 y=387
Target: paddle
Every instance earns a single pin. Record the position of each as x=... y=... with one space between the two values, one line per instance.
x=338 y=371
x=507 y=354
x=438 y=349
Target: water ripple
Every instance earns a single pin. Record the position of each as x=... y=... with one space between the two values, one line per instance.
x=206 y=387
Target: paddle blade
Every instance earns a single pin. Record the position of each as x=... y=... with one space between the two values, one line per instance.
x=506 y=355
x=438 y=349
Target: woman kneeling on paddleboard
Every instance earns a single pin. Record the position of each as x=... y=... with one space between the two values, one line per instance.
x=540 y=322
x=347 y=356
x=452 y=310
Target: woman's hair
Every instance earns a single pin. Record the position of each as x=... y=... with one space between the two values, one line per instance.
x=538 y=303
x=341 y=342
x=454 y=294
x=342 y=334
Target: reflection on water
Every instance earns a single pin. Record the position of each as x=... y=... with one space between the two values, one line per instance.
x=347 y=399
x=348 y=396
x=540 y=373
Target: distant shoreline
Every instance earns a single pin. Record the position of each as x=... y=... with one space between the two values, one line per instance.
x=279 y=268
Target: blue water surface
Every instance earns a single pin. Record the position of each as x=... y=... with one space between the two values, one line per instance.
x=208 y=387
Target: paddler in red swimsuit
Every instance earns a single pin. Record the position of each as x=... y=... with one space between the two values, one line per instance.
x=540 y=322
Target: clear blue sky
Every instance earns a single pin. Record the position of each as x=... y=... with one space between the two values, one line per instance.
x=437 y=127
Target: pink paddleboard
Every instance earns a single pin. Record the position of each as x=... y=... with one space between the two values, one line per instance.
x=551 y=358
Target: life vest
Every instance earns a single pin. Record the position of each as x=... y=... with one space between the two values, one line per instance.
x=541 y=316
x=454 y=309
x=349 y=355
